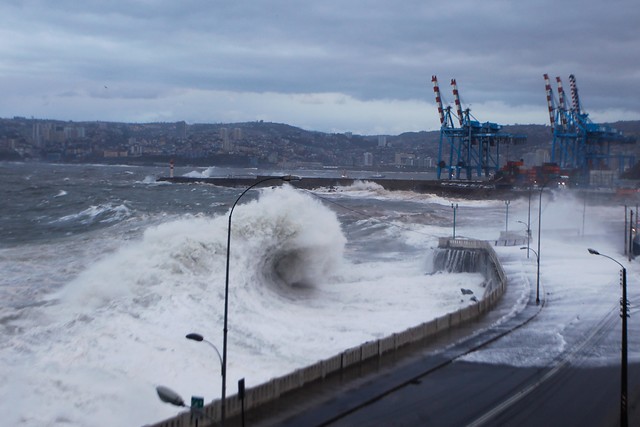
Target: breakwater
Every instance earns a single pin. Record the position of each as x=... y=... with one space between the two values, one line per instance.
x=467 y=189
x=471 y=256
x=454 y=254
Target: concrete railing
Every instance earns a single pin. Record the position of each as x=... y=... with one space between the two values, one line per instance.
x=271 y=390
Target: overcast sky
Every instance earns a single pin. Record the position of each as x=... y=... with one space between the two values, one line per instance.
x=327 y=65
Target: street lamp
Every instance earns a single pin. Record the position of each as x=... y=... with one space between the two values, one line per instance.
x=200 y=338
x=624 y=313
x=455 y=208
x=286 y=178
x=506 y=226
x=539 y=229
x=528 y=235
x=537 y=273
x=169 y=396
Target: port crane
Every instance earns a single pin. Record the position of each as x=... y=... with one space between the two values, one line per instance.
x=466 y=144
x=578 y=143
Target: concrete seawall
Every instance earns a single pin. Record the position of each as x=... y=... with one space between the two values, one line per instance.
x=467 y=189
x=457 y=255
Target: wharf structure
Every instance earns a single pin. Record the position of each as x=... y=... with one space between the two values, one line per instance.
x=470 y=146
x=582 y=148
x=466 y=189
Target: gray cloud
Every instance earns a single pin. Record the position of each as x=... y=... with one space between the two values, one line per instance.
x=374 y=53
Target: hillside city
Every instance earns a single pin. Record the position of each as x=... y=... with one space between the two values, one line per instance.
x=249 y=144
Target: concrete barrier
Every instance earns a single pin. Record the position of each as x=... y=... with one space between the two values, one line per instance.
x=370 y=349
x=332 y=364
x=387 y=344
x=351 y=356
x=495 y=280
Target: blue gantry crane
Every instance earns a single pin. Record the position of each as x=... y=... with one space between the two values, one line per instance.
x=467 y=145
x=579 y=144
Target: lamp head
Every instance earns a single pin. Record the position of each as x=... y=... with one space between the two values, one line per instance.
x=169 y=396
x=593 y=251
x=195 y=337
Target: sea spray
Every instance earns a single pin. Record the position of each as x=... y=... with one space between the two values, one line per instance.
x=284 y=238
x=94 y=353
x=290 y=235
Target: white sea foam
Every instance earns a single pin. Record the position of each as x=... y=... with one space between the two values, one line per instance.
x=194 y=174
x=104 y=213
x=93 y=352
x=151 y=180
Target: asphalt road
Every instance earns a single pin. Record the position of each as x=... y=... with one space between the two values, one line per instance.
x=471 y=394
x=432 y=387
x=457 y=393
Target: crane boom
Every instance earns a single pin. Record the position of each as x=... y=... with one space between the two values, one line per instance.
x=436 y=90
x=456 y=99
x=547 y=87
x=561 y=99
x=574 y=94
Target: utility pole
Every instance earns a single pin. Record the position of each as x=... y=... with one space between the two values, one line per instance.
x=506 y=226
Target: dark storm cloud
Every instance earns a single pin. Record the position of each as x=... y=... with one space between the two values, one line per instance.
x=365 y=50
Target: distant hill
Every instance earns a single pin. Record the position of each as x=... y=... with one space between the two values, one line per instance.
x=253 y=144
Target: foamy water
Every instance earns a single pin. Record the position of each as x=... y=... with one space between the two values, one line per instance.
x=100 y=316
x=98 y=298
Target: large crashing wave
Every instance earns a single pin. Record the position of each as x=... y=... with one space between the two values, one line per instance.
x=285 y=239
x=289 y=235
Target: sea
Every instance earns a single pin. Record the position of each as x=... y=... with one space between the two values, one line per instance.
x=104 y=270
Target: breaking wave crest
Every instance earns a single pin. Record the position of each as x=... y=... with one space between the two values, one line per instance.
x=282 y=241
x=105 y=213
x=296 y=240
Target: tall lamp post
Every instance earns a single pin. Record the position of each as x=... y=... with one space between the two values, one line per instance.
x=528 y=235
x=624 y=313
x=529 y=220
x=528 y=224
x=506 y=222
x=538 y=251
x=537 y=272
x=286 y=178
x=455 y=208
x=200 y=338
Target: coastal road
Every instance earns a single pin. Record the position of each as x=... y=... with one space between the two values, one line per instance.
x=569 y=392
x=472 y=394
x=460 y=393
x=442 y=388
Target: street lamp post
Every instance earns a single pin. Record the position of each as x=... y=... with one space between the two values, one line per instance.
x=200 y=338
x=529 y=217
x=455 y=208
x=506 y=226
x=286 y=178
x=538 y=251
x=528 y=235
x=169 y=396
x=529 y=222
x=624 y=313
x=537 y=272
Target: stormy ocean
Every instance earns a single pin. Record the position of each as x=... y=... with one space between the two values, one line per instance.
x=103 y=271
